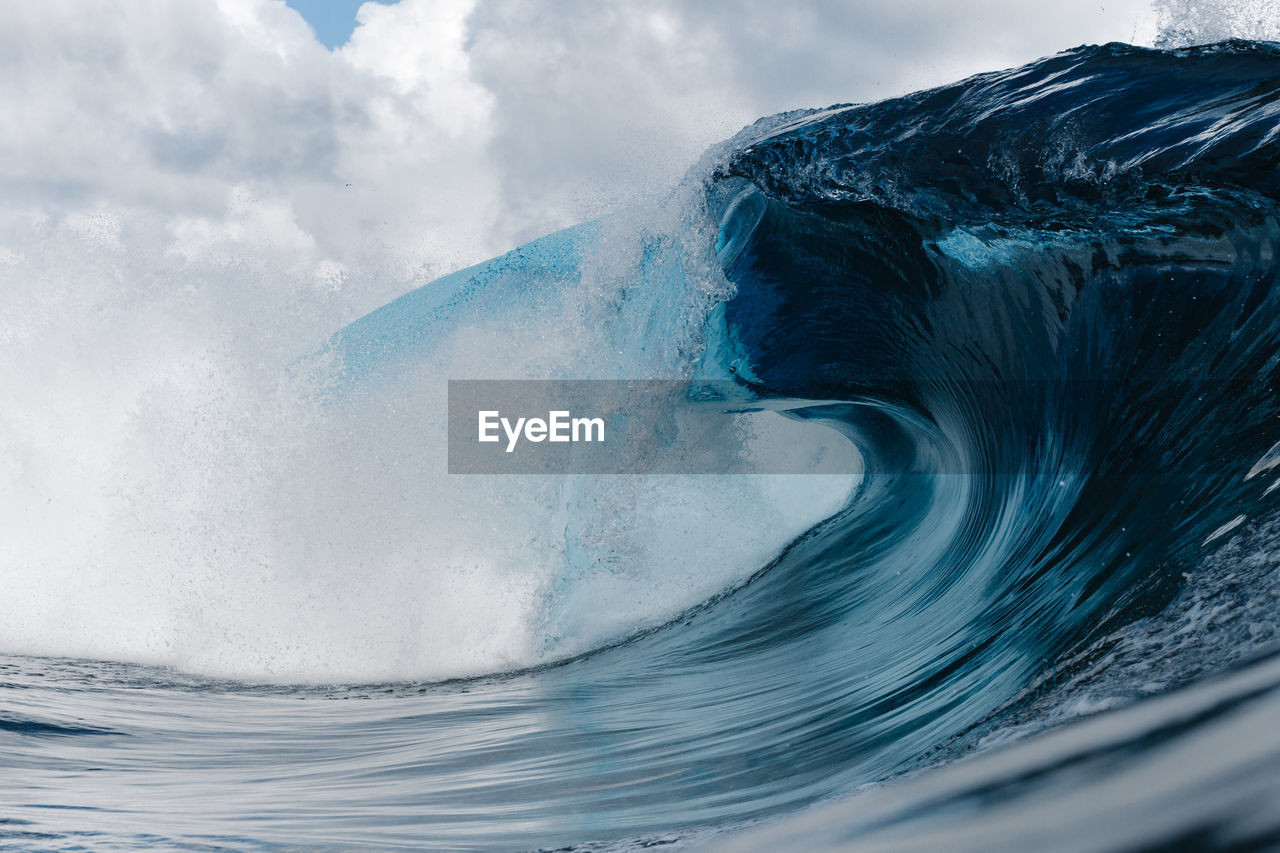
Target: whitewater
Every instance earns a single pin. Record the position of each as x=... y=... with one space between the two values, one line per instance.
x=1013 y=340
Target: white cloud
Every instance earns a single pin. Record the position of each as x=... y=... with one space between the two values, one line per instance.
x=252 y=226
x=421 y=49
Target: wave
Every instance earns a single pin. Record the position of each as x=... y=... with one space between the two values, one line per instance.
x=1039 y=304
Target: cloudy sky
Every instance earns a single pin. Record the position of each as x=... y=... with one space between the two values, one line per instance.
x=381 y=145
x=442 y=131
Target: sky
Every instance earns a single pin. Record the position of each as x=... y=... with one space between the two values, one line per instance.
x=440 y=132
x=333 y=21
x=432 y=134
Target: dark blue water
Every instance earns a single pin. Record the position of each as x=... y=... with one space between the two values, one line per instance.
x=1042 y=303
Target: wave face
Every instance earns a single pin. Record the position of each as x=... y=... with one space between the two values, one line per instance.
x=1042 y=306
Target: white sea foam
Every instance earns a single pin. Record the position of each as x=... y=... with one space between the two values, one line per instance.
x=1182 y=23
x=180 y=492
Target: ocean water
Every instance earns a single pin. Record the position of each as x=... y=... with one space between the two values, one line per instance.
x=250 y=610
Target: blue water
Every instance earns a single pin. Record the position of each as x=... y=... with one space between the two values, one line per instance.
x=1042 y=303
